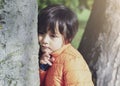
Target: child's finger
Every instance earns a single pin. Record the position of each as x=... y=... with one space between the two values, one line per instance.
x=43 y=62
x=46 y=55
x=48 y=62
x=52 y=59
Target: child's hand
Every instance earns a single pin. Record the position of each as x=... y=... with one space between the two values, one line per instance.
x=46 y=59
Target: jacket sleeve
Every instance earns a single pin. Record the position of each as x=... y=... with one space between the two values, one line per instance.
x=77 y=73
x=42 y=77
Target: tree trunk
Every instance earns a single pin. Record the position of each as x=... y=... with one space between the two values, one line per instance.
x=18 y=43
x=100 y=44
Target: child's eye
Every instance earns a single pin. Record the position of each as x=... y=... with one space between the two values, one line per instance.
x=53 y=35
x=41 y=33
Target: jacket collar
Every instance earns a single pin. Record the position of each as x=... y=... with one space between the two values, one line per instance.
x=59 y=51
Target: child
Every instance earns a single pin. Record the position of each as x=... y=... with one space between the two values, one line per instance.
x=60 y=63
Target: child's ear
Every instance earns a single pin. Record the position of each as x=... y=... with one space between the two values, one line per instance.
x=66 y=41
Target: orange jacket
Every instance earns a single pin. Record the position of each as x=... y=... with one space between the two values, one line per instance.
x=68 y=69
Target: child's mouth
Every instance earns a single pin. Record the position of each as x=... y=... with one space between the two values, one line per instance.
x=46 y=49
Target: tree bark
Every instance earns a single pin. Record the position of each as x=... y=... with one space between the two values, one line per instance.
x=18 y=43
x=100 y=44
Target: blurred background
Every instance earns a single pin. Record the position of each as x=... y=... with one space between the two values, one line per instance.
x=81 y=7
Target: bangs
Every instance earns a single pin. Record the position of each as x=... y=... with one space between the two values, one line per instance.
x=52 y=25
x=46 y=24
x=42 y=24
x=56 y=24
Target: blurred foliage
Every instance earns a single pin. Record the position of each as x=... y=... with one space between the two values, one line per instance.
x=1 y=3
x=1 y=16
x=0 y=26
x=76 y=5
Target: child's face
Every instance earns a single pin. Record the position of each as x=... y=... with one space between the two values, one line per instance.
x=50 y=42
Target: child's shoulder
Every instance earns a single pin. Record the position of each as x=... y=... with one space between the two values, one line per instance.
x=72 y=52
x=75 y=60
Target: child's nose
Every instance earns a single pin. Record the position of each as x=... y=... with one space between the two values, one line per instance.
x=46 y=39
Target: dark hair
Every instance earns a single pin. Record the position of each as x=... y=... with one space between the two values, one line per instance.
x=66 y=18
